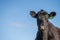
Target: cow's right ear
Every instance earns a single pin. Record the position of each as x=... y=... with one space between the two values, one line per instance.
x=52 y=15
x=33 y=14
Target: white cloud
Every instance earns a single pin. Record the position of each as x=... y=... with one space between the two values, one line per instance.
x=18 y=24
x=22 y=25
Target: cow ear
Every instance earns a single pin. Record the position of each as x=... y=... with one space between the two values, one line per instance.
x=52 y=15
x=33 y=14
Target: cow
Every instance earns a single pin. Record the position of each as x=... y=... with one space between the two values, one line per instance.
x=46 y=30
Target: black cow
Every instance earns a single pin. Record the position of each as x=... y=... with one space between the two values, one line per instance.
x=46 y=30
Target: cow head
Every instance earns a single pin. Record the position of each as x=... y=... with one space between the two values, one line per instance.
x=42 y=18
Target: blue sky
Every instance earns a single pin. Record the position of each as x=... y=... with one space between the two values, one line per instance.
x=16 y=22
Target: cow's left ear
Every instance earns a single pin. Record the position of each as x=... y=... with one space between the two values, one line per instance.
x=33 y=14
x=52 y=15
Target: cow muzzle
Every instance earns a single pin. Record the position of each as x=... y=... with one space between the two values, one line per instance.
x=42 y=28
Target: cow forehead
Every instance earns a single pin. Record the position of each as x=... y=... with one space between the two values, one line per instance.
x=42 y=12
